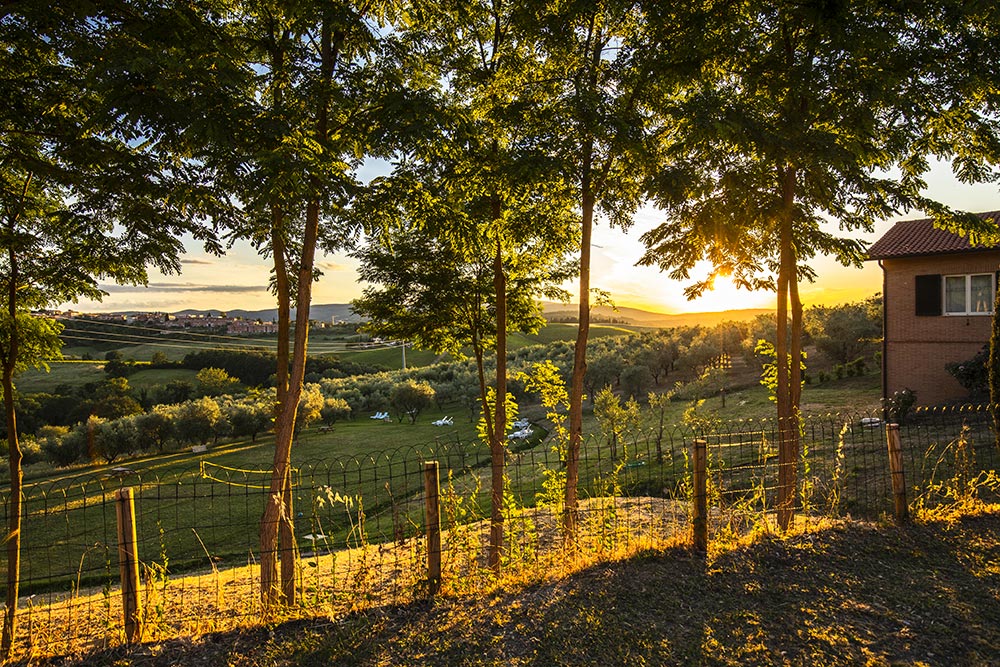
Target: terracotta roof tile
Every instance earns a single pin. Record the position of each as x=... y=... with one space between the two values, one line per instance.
x=919 y=237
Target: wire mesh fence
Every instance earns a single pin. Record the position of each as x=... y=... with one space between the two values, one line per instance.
x=360 y=530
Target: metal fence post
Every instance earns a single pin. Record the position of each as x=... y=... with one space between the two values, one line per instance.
x=128 y=563
x=699 y=519
x=433 y=518
x=896 y=468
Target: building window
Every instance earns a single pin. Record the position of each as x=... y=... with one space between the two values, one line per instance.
x=969 y=295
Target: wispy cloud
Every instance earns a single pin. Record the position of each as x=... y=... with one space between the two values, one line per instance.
x=205 y=262
x=183 y=287
x=334 y=266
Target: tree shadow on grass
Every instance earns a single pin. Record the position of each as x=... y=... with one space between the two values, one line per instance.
x=858 y=594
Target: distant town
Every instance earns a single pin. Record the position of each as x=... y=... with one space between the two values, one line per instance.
x=168 y=323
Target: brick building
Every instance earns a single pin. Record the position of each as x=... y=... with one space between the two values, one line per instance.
x=938 y=296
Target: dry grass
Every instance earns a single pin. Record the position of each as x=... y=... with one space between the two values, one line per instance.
x=334 y=584
x=850 y=594
x=828 y=593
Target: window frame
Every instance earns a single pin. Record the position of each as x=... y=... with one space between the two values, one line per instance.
x=967 y=277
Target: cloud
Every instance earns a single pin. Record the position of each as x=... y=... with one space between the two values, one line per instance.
x=206 y=262
x=334 y=266
x=183 y=287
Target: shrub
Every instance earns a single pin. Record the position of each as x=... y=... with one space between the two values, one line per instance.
x=973 y=374
x=899 y=405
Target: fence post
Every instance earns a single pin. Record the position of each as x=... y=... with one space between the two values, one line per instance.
x=432 y=492
x=699 y=519
x=896 y=468
x=128 y=563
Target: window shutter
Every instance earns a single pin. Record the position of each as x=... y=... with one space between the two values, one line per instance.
x=928 y=290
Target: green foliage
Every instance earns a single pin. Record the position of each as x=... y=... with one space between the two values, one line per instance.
x=335 y=409
x=411 y=398
x=37 y=338
x=769 y=372
x=310 y=406
x=195 y=421
x=973 y=374
x=847 y=331
x=546 y=381
x=899 y=405
x=215 y=382
x=615 y=419
x=491 y=401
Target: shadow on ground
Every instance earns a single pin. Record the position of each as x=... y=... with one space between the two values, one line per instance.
x=852 y=595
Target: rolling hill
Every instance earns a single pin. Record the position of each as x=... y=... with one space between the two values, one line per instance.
x=555 y=312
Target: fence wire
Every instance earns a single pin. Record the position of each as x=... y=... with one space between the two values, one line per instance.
x=359 y=521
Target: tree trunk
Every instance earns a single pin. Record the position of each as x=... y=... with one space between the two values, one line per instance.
x=498 y=441
x=787 y=360
x=14 y=510
x=994 y=370
x=571 y=510
x=277 y=509
x=9 y=362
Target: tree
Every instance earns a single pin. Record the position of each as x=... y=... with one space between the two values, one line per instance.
x=280 y=103
x=117 y=437
x=410 y=398
x=847 y=331
x=614 y=418
x=488 y=194
x=602 y=372
x=635 y=380
x=195 y=421
x=597 y=132
x=216 y=382
x=310 y=406
x=250 y=415
x=782 y=128
x=175 y=391
x=334 y=409
x=80 y=201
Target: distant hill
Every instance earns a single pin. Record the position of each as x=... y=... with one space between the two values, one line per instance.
x=553 y=311
x=320 y=312
x=645 y=318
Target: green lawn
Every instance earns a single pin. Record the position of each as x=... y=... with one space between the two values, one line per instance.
x=72 y=373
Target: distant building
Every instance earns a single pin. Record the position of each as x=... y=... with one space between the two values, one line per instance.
x=938 y=296
x=246 y=328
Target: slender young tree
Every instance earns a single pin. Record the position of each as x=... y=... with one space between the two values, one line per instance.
x=80 y=202
x=592 y=78
x=281 y=103
x=502 y=192
x=798 y=117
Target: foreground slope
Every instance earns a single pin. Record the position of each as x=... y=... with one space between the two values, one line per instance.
x=848 y=595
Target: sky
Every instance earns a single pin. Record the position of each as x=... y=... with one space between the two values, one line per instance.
x=239 y=280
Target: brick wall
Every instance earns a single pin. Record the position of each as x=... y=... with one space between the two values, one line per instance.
x=917 y=348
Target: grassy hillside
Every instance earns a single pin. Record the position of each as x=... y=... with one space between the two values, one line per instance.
x=851 y=594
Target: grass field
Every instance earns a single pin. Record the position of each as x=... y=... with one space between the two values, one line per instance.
x=375 y=460
x=70 y=373
x=194 y=518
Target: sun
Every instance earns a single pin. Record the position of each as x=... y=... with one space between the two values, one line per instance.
x=724 y=295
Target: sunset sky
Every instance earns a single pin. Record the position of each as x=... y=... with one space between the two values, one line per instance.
x=239 y=280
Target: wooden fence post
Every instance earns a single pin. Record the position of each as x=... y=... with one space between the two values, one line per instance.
x=896 y=468
x=699 y=519
x=128 y=563
x=432 y=491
